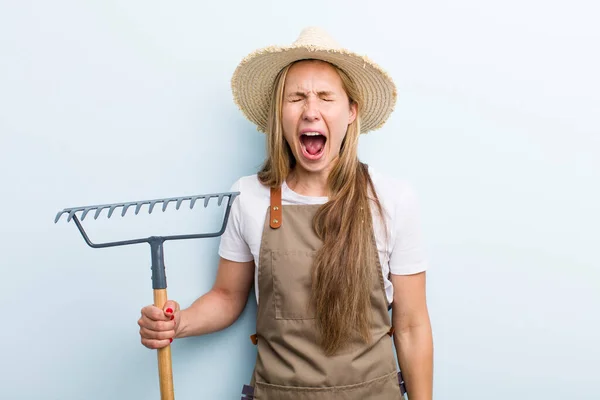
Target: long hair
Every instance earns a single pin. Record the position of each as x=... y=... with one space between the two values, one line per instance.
x=343 y=268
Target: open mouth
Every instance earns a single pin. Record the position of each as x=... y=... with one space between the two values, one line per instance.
x=313 y=144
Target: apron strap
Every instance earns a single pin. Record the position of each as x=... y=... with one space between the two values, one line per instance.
x=275 y=210
x=275 y=223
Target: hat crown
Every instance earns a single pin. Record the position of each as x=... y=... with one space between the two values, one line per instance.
x=315 y=36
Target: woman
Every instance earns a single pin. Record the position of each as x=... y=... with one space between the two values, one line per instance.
x=330 y=244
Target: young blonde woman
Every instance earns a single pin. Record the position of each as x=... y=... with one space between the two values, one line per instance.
x=329 y=244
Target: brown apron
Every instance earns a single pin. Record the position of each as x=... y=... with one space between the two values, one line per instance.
x=290 y=364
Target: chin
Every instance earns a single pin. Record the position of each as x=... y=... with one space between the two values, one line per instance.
x=313 y=166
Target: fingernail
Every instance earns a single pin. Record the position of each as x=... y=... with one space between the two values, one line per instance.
x=171 y=340
x=169 y=310
x=172 y=317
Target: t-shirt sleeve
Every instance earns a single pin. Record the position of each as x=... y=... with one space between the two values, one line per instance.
x=408 y=255
x=233 y=246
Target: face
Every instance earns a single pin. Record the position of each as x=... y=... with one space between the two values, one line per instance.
x=315 y=115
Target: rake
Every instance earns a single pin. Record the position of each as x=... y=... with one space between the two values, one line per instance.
x=159 y=278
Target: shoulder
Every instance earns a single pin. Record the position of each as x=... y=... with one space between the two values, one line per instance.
x=394 y=193
x=249 y=187
x=253 y=194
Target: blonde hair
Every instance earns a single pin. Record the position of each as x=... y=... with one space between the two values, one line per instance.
x=343 y=267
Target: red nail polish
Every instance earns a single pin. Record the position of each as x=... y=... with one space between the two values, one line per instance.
x=170 y=340
x=172 y=317
x=169 y=310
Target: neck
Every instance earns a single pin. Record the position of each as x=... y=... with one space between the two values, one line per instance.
x=308 y=183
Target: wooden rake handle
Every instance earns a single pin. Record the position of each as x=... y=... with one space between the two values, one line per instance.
x=165 y=370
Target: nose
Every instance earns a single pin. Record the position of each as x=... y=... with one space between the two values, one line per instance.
x=311 y=110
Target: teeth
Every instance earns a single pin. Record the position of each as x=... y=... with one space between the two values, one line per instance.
x=312 y=134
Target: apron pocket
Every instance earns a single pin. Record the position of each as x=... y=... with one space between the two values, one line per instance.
x=291 y=271
x=382 y=388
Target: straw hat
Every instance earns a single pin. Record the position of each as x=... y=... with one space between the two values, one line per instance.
x=254 y=77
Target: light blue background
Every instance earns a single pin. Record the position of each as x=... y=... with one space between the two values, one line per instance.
x=496 y=126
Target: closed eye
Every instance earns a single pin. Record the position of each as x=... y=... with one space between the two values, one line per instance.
x=326 y=95
x=294 y=98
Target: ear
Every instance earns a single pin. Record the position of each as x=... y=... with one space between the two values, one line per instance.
x=353 y=112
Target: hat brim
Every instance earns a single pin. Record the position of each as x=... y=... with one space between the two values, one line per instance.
x=253 y=79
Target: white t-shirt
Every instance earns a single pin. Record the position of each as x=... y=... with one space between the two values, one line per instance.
x=401 y=254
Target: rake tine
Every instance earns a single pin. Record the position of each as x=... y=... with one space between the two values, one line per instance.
x=206 y=199
x=166 y=203
x=112 y=210
x=72 y=213
x=152 y=204
x=125 y=208
x=221 y=197
x=181 y=199
x=85 y=212
x=65 y=211
x=139 y=206
x=193 y=201
x=99 y=211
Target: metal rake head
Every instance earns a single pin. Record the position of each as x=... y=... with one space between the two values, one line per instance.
x=84 y=211
x=139 y=204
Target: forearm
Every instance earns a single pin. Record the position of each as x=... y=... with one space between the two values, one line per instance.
x=414 y=347
x=214 y=311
